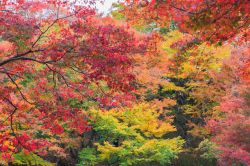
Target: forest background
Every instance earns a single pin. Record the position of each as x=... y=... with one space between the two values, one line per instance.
x=157 y=82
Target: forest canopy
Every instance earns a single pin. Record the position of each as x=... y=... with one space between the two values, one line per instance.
x=153 y=82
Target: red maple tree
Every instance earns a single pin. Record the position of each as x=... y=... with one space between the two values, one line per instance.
x=52 y=53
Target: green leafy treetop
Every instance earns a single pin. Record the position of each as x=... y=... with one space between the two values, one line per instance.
x=133 y=136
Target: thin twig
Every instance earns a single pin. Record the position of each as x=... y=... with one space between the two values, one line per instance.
x=19 y=89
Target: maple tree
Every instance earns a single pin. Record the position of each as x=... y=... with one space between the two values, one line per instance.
x=182 y=79
x=132 y=136
x=55 y=54
x=197 y=79
x=230 y=128
x=157 y=82
x=213 y=21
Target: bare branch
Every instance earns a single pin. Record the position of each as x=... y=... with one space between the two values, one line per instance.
x=19 y=89
x=46 y=30
x=14 y=58
x=12 y=113
x=64 y=79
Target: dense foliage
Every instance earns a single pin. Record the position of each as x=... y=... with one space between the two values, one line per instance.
x=131 y=137
x=154 y=83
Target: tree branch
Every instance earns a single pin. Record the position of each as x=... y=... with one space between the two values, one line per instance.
x=14 y=58
x=19 y=89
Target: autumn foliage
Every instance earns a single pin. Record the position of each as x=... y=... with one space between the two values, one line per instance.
x=52 y=60
x=154 y=83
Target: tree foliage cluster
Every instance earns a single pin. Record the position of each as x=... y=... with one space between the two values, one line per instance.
x=154 y=83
